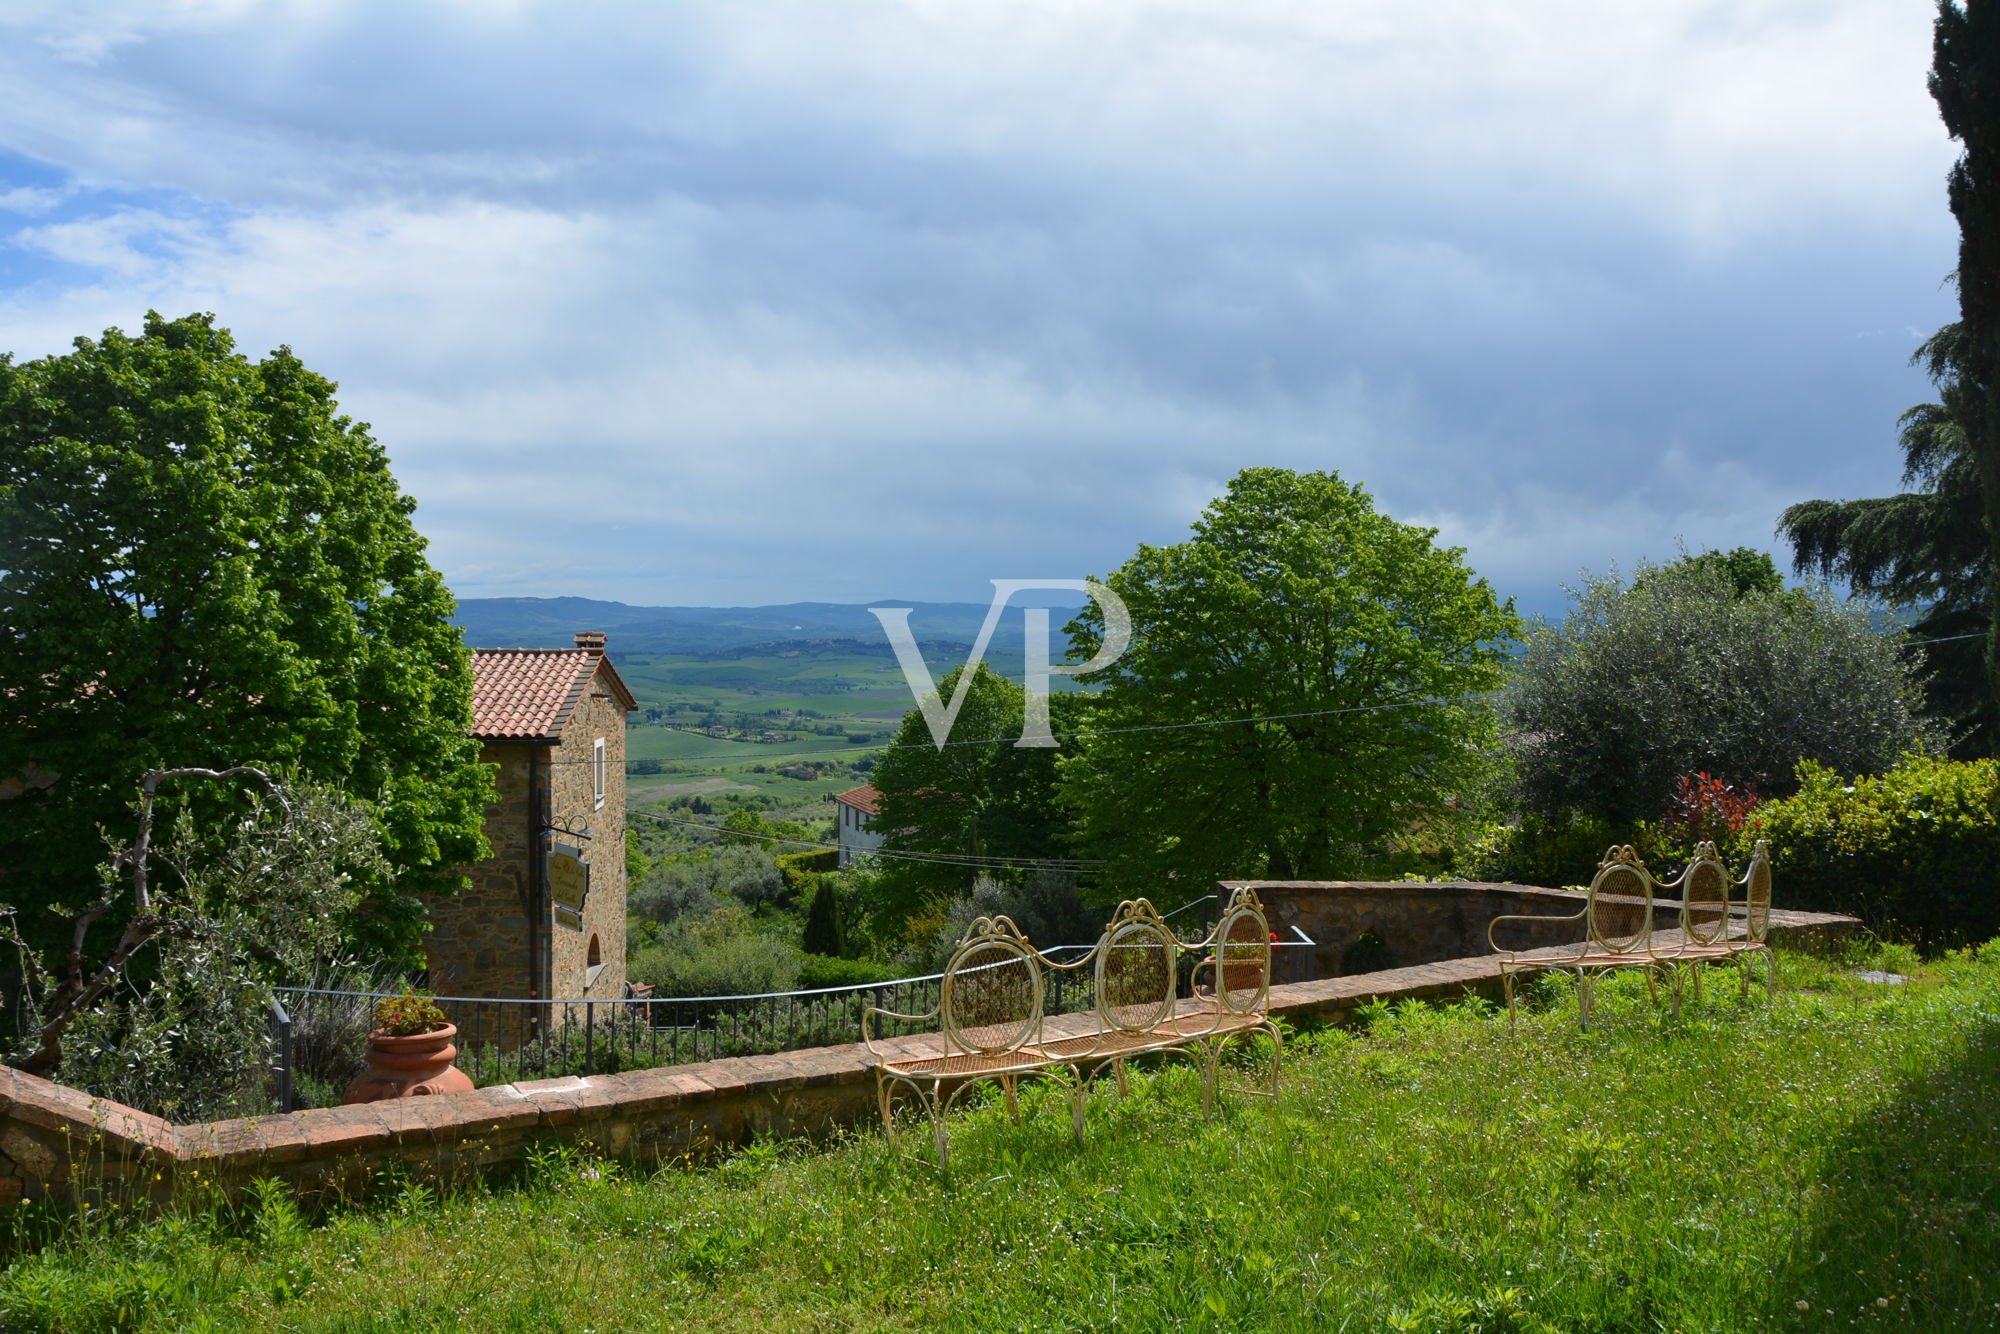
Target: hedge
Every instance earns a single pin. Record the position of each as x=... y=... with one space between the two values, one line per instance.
x=820 y=970
x=796 y=866
x=1914 y=853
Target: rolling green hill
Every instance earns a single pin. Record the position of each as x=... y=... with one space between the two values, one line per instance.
x=729 y=696
x=549 y=623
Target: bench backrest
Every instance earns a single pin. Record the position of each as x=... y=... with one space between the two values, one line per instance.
x=1241 y=949
x=990 y=999
x=1135 y=978
x=1614 y=923
x=1705 y=887
x=1757 y=893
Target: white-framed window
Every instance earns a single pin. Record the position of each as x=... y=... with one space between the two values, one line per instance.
x=597 y=773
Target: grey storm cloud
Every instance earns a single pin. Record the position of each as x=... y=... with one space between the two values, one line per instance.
x=726 y=303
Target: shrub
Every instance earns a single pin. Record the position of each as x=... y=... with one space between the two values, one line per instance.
x=330 y=1030
x=1046 y=905
x=696 y=885
x=818 y=970
x=1911 y=852
x=720 y=953
x=1640 y=684
x=1708 y=808
x=1557 y=851
x=796 y=866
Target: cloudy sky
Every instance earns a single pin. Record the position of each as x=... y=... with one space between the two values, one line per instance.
x=725 y=303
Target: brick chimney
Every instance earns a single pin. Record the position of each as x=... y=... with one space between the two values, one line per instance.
x=590 y=639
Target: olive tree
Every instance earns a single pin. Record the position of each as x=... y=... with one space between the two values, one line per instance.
x=205 y=918
x=1681 y=671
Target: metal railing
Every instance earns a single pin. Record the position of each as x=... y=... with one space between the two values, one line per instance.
x=500 y=1041
x=281 y=1057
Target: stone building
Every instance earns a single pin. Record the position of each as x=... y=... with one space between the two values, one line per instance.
x=544 y=914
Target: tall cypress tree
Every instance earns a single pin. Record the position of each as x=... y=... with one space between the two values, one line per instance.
x=1936 y=548
x=1965 y=80
x=1925 y=550
x=822 y=933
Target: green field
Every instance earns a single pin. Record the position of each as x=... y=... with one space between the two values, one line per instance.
x=851 y=694
x=830 y=683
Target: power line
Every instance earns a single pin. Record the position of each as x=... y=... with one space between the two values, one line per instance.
x=1098 y=731
x=1948 y=639
x=1077 y=866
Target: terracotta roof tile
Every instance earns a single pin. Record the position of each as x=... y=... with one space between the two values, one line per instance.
x=520 y=693
x=865 y=799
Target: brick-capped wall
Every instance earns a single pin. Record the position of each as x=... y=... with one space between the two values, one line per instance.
x=1423 y=922
x=53 y=1138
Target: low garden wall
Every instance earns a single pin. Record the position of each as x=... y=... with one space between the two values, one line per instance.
x=58 y=1141
x=1368 y=926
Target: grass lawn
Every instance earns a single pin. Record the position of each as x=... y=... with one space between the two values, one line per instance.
x=1827 y=1162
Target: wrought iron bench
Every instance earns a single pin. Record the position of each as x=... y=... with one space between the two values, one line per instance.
x=992 y=1027
x=1708 y=919
x=1138 y=1009
x=1617 y=916
x=1620 y=935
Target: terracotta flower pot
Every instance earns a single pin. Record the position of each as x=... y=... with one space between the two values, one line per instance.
x=405 y=1067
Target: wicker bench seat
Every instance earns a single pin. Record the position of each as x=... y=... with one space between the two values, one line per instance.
x=992 y=1025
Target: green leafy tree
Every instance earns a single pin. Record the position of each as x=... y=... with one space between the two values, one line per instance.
x=1679 y=672
x=203 y=564
x=773 y=835
x=1366 y=649
x=1747 y=569
x=978 y=797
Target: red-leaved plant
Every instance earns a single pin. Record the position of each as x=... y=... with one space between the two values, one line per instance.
x=1705 y=807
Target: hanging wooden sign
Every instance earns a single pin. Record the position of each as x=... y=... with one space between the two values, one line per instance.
x=569 y=881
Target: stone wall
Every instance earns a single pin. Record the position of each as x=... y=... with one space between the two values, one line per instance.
x=54 y=1140
x=478 y=944
x=574 y=806
x=1418 y=923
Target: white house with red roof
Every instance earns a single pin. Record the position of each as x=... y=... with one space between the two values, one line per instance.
x=857 y=808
